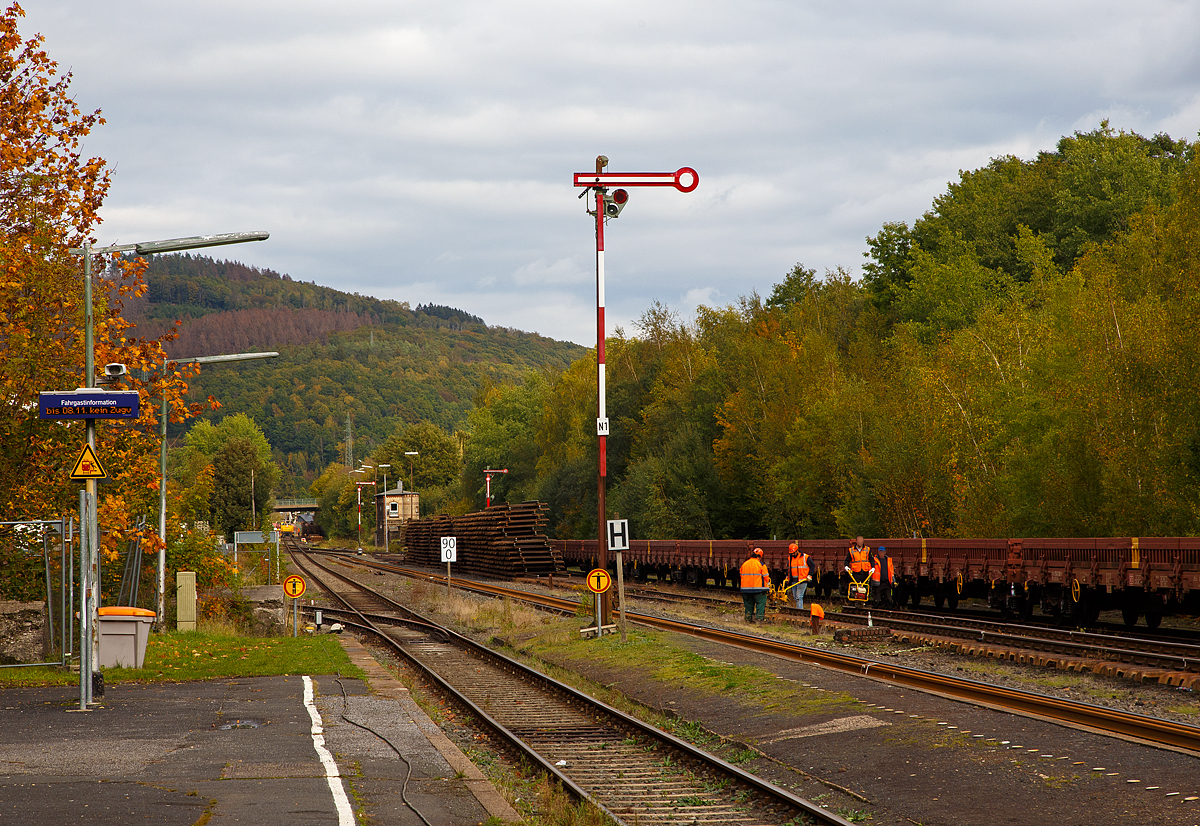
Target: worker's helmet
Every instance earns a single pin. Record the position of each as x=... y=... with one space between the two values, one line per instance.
x=793 y=547
x=758 y=551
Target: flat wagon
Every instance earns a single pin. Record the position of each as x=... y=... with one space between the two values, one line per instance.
x=1071 y=578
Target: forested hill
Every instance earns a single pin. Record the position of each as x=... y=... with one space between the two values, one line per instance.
x=227 y=307
x=380 y=363
x=1020 y=360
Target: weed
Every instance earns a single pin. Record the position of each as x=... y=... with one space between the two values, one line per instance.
x=1059 y=781
x=854 y=815
x=691 y=731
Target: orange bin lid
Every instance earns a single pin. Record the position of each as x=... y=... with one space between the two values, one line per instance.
x=126 y=611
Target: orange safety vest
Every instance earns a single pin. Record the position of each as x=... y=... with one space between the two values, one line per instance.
x=860 y=560
x=879 y=570
x=755 y=574
x=799 y=570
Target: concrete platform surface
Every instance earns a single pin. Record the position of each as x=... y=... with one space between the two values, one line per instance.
x=236 y=751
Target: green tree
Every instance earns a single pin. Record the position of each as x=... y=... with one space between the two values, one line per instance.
x=238 y=498
x=504 y=432
x=1106 y=179
x=328 y=490
x=437 y=465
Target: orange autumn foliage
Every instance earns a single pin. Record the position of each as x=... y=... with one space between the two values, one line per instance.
x=49 y=197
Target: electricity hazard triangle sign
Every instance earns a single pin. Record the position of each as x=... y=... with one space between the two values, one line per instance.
x=87 y=466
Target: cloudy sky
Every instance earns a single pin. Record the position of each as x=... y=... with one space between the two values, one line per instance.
x=424 y=151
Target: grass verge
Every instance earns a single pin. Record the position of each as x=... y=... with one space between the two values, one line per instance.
x=183 y=656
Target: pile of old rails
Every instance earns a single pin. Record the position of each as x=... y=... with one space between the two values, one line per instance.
x=504 y=541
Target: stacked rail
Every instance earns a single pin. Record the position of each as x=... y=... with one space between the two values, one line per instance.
x=504 y=541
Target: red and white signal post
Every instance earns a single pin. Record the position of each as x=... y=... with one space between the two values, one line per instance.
x=488 y=472
x=609 y=205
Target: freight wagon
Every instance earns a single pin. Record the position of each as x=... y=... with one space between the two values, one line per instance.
x=1072 y=579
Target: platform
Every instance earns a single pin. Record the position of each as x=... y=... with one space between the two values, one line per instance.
x=238 y=751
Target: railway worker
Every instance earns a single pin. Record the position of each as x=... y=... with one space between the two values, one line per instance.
x=858 y=560
x=883 y=577
x=817 y=614
x=755 y=583
x=799 y=574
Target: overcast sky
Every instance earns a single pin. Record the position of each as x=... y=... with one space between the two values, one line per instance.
x=424 y=151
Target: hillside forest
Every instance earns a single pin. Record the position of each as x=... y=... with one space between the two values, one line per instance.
x=1020 y=360
x=1017 y=361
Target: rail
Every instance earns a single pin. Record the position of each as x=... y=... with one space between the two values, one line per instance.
x=1150 y=730
x=704 y=812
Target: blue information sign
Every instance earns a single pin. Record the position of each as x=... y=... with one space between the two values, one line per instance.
x=88 y=404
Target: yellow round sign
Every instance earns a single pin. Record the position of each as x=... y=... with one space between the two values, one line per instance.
x=294 y=586
x=598 y=580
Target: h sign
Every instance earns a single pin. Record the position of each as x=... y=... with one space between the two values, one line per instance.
x=449 y=549
x=618 y=534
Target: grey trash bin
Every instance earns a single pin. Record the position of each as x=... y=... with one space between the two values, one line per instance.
x=123 y=635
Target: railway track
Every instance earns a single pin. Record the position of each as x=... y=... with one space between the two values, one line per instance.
x=630 y=770
x=1142 y=728
x=1126 y=649
x=1157 y=652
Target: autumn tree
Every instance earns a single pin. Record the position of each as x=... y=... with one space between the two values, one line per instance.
x=49 y=197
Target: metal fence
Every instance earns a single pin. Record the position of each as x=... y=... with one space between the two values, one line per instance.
x=54 y=541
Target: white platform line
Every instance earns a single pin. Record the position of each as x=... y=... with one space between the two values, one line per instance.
x=332 y=775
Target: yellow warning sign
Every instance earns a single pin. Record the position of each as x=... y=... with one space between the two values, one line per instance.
x=294 y=586
x=87 y=466
x=598 y=580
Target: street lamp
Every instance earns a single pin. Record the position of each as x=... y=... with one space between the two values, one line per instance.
x=162 y=466
x=410 y=454
x=90 y=552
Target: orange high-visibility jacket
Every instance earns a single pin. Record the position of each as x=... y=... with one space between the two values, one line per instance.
x=860 y=560
x=891 y=576
x=755 y=575
x=799 y=567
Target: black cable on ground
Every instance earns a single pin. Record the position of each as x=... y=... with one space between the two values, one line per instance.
x=391 y=745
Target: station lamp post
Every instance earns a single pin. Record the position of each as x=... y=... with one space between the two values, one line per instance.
x=90 y=552
x=162 y=466
x=410 y=454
